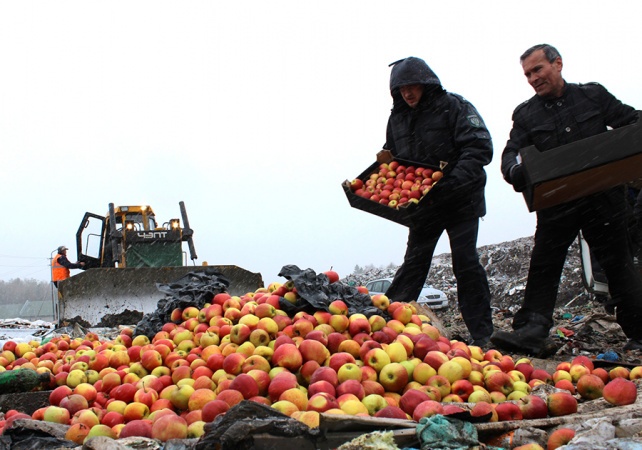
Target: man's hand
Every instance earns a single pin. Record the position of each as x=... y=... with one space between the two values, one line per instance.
x=518 y=178
x=384 y=156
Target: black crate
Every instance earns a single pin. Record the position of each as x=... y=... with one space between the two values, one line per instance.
x=583 y=167
x=406 y=214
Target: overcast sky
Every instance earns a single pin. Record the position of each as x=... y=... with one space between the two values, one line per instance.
x=254 y=112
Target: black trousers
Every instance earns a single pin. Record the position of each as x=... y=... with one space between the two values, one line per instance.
x=602 y=219
x=473 y=293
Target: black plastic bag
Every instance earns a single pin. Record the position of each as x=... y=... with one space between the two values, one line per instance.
x=235 y=429
x=316 y=293
x=26 y=438
x=193 y=289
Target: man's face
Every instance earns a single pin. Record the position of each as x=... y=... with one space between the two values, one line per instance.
x=544 y=76
x=412 y=94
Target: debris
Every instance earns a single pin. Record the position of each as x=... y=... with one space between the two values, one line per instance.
x=593 y=434
x=586 y=326
x=35 y=434
x=377 y=440
x=193 y=289
x=441 y=432
x=608 y=356
x=237 y=428
x=11 y=328
x=564 y=332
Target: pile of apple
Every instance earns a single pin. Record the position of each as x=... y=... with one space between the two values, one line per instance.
x=395 y=185
x=207 y=360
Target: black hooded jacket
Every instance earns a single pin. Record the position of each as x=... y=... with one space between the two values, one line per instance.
x=443 y=128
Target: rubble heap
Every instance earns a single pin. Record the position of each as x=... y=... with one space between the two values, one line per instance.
x=582 y=324
x=506 y=265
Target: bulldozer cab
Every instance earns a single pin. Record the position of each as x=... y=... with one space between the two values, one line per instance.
x=129 y=236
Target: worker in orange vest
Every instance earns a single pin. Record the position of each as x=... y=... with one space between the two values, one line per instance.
x=60 y=266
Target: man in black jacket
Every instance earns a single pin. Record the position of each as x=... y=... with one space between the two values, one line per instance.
x=558 y=114
x=432 y=127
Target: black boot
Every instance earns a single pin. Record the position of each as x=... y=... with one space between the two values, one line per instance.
x=530 y=336
x=483 y=343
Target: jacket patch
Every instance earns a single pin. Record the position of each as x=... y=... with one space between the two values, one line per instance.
x=475 y=120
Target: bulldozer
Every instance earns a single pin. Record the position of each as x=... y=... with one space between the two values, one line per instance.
x=126 y=254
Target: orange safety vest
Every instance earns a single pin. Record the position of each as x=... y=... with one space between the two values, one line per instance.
x=58 y=272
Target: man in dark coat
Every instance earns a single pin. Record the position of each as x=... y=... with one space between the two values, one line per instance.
x=432 y=127
x=558 y=114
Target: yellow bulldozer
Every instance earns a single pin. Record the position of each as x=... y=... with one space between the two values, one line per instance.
x=127 y=253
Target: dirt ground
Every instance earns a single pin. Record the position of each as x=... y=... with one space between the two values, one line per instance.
x=582 y=325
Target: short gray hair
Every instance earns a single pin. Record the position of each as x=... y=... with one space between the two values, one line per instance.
x=550 y=52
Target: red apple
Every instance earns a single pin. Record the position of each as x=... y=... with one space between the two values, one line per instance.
x=393 y=377
x=372 y=387
x=541 y=374
x=532 y=407
x=312 y=350
x=353 y=387
x=566 y=385
x=213 y=409
x=441 y=383
x=619 y=372
x=560 y=437
x=463 y=388
x=321 y=386
x=169 y=427
x=499 y=381
x=281 y=383
x=427 y=408
x=602 y=373
x=142 y=428
x=508 y=411
x=391 y=412
x=411 y=399
x=561 y=404
x=59 y=393
x=333 y=276
x=337 y=360
x=287 y=356
x=620 y=391
x=590 y=386
x=583 y=360
x=322 y=402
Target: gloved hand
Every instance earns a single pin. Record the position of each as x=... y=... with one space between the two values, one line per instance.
x=518 y=178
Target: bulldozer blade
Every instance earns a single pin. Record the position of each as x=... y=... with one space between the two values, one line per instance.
x=97 y=297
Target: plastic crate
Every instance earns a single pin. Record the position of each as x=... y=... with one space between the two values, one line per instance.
x=405 y=214
x=583 y=167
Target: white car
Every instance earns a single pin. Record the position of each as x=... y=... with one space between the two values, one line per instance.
x=429 y=296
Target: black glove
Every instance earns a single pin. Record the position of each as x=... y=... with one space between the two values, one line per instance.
x=517 y=178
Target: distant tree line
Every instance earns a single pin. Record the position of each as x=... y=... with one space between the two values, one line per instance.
x=19 y=291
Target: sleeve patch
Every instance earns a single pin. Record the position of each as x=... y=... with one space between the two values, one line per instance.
x=475 y=120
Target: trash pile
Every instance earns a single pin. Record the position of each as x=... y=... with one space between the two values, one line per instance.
x=23 y=330
x=506 y=265
x=581 y=323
